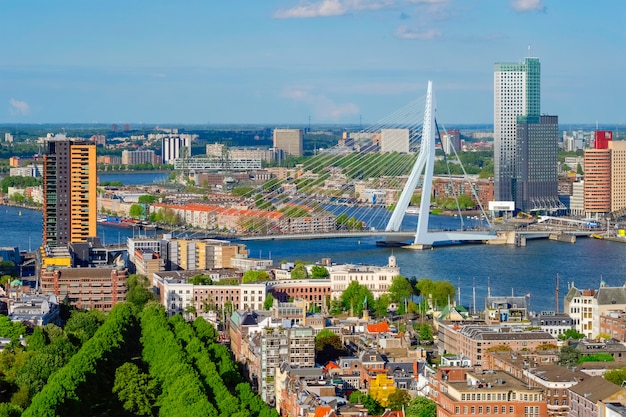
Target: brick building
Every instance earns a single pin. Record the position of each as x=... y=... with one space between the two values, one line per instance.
x=87 y=288
x=461 y=392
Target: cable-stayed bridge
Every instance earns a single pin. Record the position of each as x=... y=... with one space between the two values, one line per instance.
x=365 y=185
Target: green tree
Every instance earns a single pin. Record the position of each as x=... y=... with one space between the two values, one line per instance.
x=10 y=410
x=255 y=276
x=421 y=407
x=319 y=271
x=398 y=400
x=136 y=211
x=328 y=347
x=135 y=390
x=299 y=271
x=139 y=293
x=400 y=289
x=373 y=406
x=147 y=199
x=616 y=376
x=200 y=279
x=84 y=324
x=356 y=297
x=440 y=291
x=571 y=334
x=568 y=356
x=269 y=301
x=382 y=304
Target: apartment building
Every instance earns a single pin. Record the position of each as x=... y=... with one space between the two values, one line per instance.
x=473 y=341
x=462 y=392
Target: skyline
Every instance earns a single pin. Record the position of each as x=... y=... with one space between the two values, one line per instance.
x=288 y=61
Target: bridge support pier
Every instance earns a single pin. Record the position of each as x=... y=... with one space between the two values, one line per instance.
x=419 y=246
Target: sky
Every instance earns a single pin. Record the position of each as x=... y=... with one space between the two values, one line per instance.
x=291 y=62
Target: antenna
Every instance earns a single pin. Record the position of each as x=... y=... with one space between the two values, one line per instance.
x=474 y=294
x=557 y=293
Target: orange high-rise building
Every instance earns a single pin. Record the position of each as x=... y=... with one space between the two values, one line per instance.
x=597 y=188
x=69 y=186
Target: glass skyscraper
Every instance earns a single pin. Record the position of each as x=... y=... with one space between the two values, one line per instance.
x=525 y=143
x=517 y=92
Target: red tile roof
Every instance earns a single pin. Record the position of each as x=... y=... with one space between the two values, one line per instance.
x=381 y=327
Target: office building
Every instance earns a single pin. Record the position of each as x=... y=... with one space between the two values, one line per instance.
x=517 y=92
x=618 y=175
x=86 y=288
x=289 y=140
x=535 y=186
x=464 y=392
x=597 y=185
x=138 y=157
x=69 y=188
x=394 y=140
x=605 y=176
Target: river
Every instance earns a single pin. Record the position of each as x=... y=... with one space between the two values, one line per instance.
x=520 y=270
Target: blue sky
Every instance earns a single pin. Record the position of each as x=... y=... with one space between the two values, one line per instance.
x=283 y=61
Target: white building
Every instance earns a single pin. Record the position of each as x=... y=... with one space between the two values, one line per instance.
x=377 y=279
x=578 y=304
x=173 y=145
x=177 y=294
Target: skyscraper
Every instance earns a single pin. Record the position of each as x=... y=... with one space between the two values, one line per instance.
x=69 y=188
x=535 y=185
x=517 y=92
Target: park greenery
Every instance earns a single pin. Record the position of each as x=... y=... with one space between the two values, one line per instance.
x=18 y=182
x=132 y=362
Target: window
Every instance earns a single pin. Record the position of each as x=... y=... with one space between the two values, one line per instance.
x=473 y=410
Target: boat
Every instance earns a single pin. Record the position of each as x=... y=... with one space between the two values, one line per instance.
x=118 y=222
x=19 y=213
x=412 y=210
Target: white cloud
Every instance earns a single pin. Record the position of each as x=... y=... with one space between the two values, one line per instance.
x=528 y=5
x=323 y=107
x=19 y=108
x=404 y=32
x=326 y=8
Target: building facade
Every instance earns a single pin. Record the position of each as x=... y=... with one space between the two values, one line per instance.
x=138 y=157
x=86 y=288
x=289 y=140
x=597 y=185
x=517 y=92
x=174 y=147
x=461 y=392
x=377 y=279
x=535 y=186
x=69 y=191
x=394 y=140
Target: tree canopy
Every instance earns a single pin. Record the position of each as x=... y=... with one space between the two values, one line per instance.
x=440 y=291
x=421 y=407
x=400 y=289
x=356 y=297
x=255 y=276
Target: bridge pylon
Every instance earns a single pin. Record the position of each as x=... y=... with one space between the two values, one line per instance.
x=423 y=167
